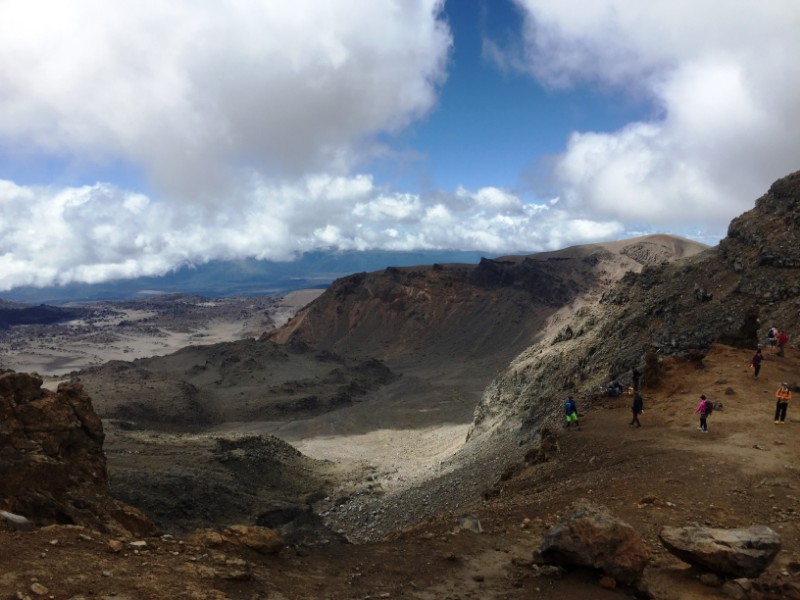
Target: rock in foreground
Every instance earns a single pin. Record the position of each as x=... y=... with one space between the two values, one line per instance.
x=52 y=466
x=589 y=536
x=728 y=552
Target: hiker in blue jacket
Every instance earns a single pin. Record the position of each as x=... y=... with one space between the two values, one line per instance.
x=571 y=413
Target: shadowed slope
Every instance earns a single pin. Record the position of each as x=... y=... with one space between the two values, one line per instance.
x=482 y=313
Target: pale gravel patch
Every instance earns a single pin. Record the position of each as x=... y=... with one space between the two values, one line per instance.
x=398 y=458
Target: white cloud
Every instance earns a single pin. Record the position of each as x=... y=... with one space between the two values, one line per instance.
x=94 y=233
x=725 y=79
x=251 y=124
x=191 y=92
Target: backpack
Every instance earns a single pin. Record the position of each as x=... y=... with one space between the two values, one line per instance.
x=709 y=408
x=570 y=407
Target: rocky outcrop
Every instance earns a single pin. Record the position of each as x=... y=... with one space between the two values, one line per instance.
x=259 y=539
x=728 y=552
x=729 y=294
x=52 y=466
x=767 y=241
x=496 y=307
x=589 y=536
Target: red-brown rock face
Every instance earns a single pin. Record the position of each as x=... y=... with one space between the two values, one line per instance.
x=52 y=466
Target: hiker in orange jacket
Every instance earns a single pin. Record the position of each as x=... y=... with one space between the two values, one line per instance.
x=783 y=395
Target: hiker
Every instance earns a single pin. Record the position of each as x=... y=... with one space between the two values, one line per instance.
x=783 y=339
x=783 y=395
x=637 y=408
x=755 y=363
x=704 y=408
x=571 y=413
x=635 y=377
x=772 y=336
x=614 y=388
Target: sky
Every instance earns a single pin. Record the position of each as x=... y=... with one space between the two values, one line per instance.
x=140 y=136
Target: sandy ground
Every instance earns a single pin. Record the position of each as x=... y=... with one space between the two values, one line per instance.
x=56 y=351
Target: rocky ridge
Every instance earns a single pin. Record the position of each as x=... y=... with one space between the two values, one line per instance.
x=729 y=294
x=484 y=312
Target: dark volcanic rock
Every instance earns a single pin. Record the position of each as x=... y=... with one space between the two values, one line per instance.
x=729 y=552
x=589 y=536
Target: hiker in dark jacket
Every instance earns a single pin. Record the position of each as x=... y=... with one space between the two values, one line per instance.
x=756 y=363
x=637 y=408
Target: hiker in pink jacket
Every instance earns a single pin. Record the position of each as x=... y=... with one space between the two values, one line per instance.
x=704 y=408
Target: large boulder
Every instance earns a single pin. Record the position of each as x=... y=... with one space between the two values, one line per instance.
x=52 y=466
x=727 y=552
x=589 y=536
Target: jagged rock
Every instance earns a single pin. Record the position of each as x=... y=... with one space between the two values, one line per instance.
x=727 y=552
x=738 y=589
x=589 y=536
x=20 y=388
x=260 y=539
x=470 y=523
x=52 y=466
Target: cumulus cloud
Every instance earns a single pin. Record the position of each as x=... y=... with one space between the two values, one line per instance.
x=248 y=124
x=247 y=128
x=723 y=78
x=192 y=92
x=100 y=232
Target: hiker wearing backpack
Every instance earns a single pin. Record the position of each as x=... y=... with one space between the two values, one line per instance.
x=772 y=336
x=571 y=413
x=783 y=395
x=783 y=339
x=704 y=408
x=614 y=388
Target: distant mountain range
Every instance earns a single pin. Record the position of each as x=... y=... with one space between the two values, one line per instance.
x=247 y=277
